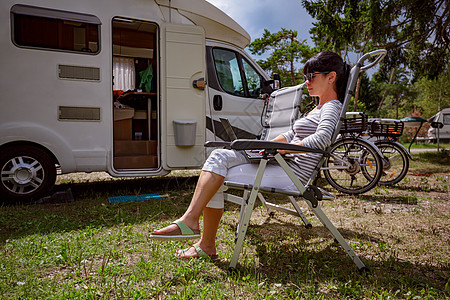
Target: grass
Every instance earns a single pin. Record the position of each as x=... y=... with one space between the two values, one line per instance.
x=90 y=249
x=427 y=145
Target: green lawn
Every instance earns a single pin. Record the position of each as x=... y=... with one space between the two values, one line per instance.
x=90 y=249
x=428 y=146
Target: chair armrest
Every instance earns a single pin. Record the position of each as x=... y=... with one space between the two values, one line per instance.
x=244 y=144
x=218 y=144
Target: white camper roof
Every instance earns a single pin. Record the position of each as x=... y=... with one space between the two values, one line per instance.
x=217 y=24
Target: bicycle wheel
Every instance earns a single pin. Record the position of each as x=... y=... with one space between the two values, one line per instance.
x=354 y=166
x=395 y=162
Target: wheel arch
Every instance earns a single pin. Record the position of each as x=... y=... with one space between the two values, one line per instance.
x=30 y=143
x=42 y=137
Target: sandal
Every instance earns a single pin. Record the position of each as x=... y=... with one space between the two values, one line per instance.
x=201 y=254
x=182 y=232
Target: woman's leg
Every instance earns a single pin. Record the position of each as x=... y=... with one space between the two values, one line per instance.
x=208 y=184
x=211 y=220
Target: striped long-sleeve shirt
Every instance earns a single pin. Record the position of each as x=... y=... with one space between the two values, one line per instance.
x=314 y=131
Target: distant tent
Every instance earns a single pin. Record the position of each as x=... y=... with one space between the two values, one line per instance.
x=414 y=121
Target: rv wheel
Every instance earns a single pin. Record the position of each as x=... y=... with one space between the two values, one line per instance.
x=26 y=173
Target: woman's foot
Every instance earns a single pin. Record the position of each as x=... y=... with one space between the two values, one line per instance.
x=178 y=230
x=195 y=251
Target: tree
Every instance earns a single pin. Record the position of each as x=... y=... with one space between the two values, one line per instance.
x=415 y=32
x=369 y=96
x=285 y=53
x=433 y=94
x=397 y=94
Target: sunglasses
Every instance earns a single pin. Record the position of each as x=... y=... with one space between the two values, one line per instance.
x=309 y=77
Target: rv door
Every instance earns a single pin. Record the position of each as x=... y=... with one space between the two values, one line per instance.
x=183 y=96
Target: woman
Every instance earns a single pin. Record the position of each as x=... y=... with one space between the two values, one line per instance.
x=326 y=76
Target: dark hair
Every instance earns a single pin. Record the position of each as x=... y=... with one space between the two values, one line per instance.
x=330 y=61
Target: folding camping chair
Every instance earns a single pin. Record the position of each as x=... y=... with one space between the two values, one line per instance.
x=311 y=194
x=282 y=109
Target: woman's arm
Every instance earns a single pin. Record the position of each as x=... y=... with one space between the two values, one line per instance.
x=281 y=138
x=328 y=120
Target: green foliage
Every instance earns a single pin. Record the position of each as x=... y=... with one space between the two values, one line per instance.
x=400 y=97
x=285 y=52
x=415 y=33
x=424 y=98
x=369 y=96
x=433 y=94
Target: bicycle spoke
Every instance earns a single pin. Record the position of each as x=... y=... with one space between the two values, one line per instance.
x=362 y=166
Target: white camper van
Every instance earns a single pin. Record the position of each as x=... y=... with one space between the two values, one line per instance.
x=132 y=87
x=442 y=118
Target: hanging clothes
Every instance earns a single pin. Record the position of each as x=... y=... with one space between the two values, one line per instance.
x=146 y=79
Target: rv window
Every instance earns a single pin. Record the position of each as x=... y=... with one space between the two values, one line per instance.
x=227 y=68
x=41 y=28
x=236 y=76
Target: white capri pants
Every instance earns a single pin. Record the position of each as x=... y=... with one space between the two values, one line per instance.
x=234 y=166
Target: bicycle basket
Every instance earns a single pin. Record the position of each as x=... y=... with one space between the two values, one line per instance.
x=386 y=127
x=354 y=123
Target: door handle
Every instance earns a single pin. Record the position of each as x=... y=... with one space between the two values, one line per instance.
x=199 y=83
x=217 y=102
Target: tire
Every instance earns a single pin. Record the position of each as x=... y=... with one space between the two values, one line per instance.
x=26 y=173
x=395 y=162
x=354 y=166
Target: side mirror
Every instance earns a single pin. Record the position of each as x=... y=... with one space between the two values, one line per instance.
x=437 y=125
x=276 y=81
x=271 y=85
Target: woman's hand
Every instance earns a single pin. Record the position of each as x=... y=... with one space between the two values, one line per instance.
x=284 y=152
x=281 y=138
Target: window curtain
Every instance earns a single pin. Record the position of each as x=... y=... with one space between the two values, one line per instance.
x=124 y=73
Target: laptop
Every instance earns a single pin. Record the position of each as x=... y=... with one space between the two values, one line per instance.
x=251 y=154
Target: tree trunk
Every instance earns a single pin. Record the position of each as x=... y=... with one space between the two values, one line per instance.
x=358 y=85
x=292 y=65
x=292 y=73
x=385 y=93
x=398 y=100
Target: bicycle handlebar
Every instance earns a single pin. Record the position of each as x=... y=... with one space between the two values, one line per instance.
x=381 y=54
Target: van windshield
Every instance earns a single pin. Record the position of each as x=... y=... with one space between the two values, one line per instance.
x=447 y=119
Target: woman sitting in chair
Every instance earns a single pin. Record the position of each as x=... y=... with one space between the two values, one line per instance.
x=326 y=76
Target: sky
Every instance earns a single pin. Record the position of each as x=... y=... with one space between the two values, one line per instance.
x=256 y=15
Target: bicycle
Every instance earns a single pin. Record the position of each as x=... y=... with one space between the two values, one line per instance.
x=395 y=156
x=354 y=165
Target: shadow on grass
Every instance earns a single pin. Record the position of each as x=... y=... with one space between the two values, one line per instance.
x=291 y=255
x=390 y=199
x=426 y=189
x=439 y=158
x=286 y=252
x=91 y=208
x=131 y=186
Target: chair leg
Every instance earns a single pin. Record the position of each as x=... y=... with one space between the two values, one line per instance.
x=337 y=235
x=244 y=203
x=321 y=216
x=300 y=212
x=243 y=224
x=264 y=203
